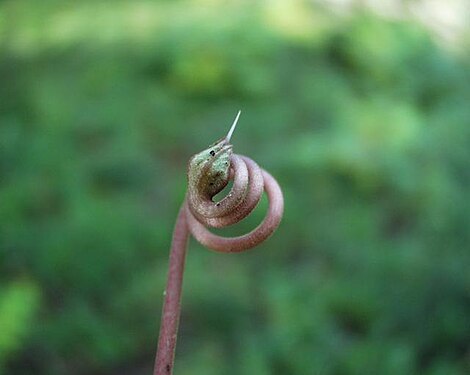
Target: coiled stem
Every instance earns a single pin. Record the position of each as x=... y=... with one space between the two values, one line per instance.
x=231 y=209
x=199 y=212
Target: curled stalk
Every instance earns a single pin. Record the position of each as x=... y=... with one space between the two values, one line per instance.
x=209 y=173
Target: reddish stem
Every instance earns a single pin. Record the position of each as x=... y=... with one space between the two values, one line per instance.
x=171 y=307
x=197 y=211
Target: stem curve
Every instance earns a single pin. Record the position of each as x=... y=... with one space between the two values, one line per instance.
x=195 y=214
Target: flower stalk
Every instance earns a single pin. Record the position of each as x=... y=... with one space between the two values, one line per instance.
x=209 y=173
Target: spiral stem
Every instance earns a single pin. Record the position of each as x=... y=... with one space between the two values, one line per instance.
x=196 y=213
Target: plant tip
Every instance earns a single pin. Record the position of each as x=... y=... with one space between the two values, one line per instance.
x=232 y=129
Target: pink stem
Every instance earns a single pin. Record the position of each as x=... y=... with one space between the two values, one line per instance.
x=171 y=307
x=196 y=212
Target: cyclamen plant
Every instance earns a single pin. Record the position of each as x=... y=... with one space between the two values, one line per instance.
x=209 y=172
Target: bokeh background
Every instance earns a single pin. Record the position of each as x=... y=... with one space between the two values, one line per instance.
x=361 y=109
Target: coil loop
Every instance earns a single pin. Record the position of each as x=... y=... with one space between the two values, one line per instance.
x=249 y=182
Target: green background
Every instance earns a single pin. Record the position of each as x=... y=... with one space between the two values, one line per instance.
x=364 y=121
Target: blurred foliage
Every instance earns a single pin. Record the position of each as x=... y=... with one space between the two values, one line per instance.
x=17 y=307
x=365 y=123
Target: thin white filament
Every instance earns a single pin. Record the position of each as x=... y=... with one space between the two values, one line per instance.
x=232 y=129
